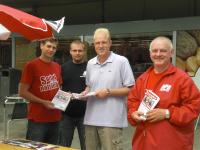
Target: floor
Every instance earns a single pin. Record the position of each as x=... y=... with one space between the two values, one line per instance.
x=18 y=130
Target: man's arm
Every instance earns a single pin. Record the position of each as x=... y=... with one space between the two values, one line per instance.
x=87 y=90
x=181 y=114
x=189 y=109
x=102 y=93
x=25 y=93
x=133 y=103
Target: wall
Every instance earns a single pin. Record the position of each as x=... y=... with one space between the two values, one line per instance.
x=137 y=27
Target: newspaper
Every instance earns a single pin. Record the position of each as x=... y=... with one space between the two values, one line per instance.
x=149 y=102
x=62 y=98
x=29 y=144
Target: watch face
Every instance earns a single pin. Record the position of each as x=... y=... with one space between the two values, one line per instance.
x=167 y=115
x=108 y=91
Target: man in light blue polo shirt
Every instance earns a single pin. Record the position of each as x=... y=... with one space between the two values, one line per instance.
x=110 y=76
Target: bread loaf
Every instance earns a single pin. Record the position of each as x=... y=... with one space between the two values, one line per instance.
x=191 y=64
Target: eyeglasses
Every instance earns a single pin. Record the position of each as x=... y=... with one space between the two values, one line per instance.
x=77 y=50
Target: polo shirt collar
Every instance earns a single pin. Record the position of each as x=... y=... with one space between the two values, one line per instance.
x=109 y=59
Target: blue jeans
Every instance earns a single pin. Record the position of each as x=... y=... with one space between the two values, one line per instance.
x=42 y=132
x=66 y=131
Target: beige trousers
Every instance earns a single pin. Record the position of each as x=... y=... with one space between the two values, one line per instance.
x=103 y=138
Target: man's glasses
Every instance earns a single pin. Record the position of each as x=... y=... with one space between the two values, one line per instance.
x=77 y=50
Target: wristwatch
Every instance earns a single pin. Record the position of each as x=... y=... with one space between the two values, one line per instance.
x=167 y=114
x=108 y=91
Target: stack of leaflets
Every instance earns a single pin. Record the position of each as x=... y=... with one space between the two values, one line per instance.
x=29 y=144
x=149 y=102
x=80 y=96
x=62 y=98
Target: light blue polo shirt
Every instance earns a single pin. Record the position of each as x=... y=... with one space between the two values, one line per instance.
x=115 y=72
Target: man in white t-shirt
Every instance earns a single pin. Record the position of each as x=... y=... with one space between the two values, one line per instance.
x=110 y=76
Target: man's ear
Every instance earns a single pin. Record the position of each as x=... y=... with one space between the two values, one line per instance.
x=172 y=52
x=110 y=42
x=41 y=45
x=70 y=52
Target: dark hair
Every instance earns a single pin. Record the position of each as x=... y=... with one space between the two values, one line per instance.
x=77 y=42
x=51 y=40
x=38 y=50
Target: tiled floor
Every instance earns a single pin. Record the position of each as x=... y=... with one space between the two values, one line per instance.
x=18 y=130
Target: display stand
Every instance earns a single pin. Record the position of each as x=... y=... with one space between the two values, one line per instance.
x=17 y=113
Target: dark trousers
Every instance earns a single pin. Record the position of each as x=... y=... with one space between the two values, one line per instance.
x=43 y=132
x=66 y=131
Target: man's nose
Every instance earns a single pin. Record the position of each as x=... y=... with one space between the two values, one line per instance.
x=78 y=51
x=52 y=48
x=158 y=52
x=100 y=44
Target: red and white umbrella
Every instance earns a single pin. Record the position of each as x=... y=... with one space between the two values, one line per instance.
x=31 y=27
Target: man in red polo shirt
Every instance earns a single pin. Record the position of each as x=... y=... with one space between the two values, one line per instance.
x=41 y=79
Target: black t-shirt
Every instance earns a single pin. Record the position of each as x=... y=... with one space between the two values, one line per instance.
x=74 y=81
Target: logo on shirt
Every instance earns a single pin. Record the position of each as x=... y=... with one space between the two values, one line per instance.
x=165 y=87
x=83 y=75
x=48 y=82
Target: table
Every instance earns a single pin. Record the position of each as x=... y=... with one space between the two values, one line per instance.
x=12 y=147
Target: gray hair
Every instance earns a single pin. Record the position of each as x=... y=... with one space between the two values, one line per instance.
x=102 y=30
x=162 y=38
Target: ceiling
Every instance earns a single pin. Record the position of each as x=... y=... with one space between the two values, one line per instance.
x=106 y=11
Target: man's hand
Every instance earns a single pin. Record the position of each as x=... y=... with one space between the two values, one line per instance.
x=136 y=116
x=48 y=104
x=84 y=93
x=101 y=93
x=156 y=115
x=87 y=90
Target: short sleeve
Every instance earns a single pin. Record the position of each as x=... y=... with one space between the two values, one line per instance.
x=27 y=74
x=127 y=74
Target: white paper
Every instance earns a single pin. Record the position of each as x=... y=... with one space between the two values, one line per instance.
x=61 y=100
x=90 y=94
x=48 y=147
x=149 y=102
x=80 y=96
x=29 y=144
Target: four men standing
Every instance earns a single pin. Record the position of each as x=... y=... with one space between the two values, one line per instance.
x=110 y=76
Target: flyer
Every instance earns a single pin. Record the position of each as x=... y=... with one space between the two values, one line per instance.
x=61 y=100
x=81 y=97
x=29 y=144
x=149 y=102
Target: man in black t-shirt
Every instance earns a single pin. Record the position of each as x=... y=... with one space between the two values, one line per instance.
x=73 y=75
